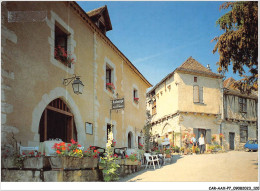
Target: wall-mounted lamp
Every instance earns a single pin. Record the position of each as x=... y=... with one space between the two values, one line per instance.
x=77 y=85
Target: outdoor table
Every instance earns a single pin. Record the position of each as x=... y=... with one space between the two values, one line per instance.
x=46 y=147
x=123 y=153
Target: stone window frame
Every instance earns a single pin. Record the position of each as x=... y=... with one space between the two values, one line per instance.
x=135 y=88
x=111 y=65
x=243 y=128
x=154 y=110
x=199 y=93
x=71 y=43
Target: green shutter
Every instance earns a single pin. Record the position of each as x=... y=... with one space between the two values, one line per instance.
x=208 y=136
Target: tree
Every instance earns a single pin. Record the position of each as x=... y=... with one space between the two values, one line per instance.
x=239 y=43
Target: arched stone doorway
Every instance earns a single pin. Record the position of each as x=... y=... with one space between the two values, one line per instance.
x=57 y=121
x=130 y=140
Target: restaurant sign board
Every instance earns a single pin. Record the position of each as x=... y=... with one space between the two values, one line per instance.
x=118 y=103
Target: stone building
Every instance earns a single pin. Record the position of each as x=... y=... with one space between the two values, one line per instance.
x=187 y=101
x=239 y=117
x=44 y=43
x=194 y=100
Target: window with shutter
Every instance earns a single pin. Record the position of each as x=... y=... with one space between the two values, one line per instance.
x=196 y=94
x=154 y=108
x=108 y=75
x=242 y=105
x=201 y=95
x=243 y=134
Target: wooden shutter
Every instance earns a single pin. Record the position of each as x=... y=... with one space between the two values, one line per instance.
x=240 y=102
x=196 y=94
x=201 y=95
x=245 y=105
x=208 y=136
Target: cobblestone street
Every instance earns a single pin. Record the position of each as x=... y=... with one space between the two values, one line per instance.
x=233 y=166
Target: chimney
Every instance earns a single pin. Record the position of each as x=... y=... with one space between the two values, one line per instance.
x=208 y=67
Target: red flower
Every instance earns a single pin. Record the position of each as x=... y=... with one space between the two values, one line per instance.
x=58 y=152
x=79 y=145
x=69 y=145
x=126 y=156
x=115 y=155
x=72 y=141
x=95 y=151
x=23 y=153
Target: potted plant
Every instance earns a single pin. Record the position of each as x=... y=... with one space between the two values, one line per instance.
x=177 y=149
x=197 y=150
x=213 y=138
x=182 y=149
x=167 y=153
x=172 y=148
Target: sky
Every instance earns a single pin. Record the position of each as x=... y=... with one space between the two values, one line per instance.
x=158 y=36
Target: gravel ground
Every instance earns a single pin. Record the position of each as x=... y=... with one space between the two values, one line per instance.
x=233 y=166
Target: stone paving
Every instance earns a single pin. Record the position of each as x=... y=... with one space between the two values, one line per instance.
x=233 y=166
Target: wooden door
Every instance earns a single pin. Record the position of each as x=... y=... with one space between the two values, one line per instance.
x=231 y=141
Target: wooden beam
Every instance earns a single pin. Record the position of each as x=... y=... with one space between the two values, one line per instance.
x=59 y=110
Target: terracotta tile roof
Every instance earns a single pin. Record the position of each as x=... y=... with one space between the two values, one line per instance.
x=228 y=84
x=193 y=66
x=95 y=12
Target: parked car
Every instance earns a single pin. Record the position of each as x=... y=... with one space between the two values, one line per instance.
x=251 y=145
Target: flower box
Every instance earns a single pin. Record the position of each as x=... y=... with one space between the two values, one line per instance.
x=67 y=162
x=36 y=163
x=129 y=162
x=136 y=99
x=110 y=87
x=62 y=55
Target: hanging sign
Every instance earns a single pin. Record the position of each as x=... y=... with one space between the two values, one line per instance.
x=118 y=103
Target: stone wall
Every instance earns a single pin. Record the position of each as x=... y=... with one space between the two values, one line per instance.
x=234 y=127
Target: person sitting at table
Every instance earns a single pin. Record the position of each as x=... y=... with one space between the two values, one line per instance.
x=159 y=142
x=166 y=141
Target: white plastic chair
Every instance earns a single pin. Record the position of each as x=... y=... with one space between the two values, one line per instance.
x=35 y=149
x=151 y=159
